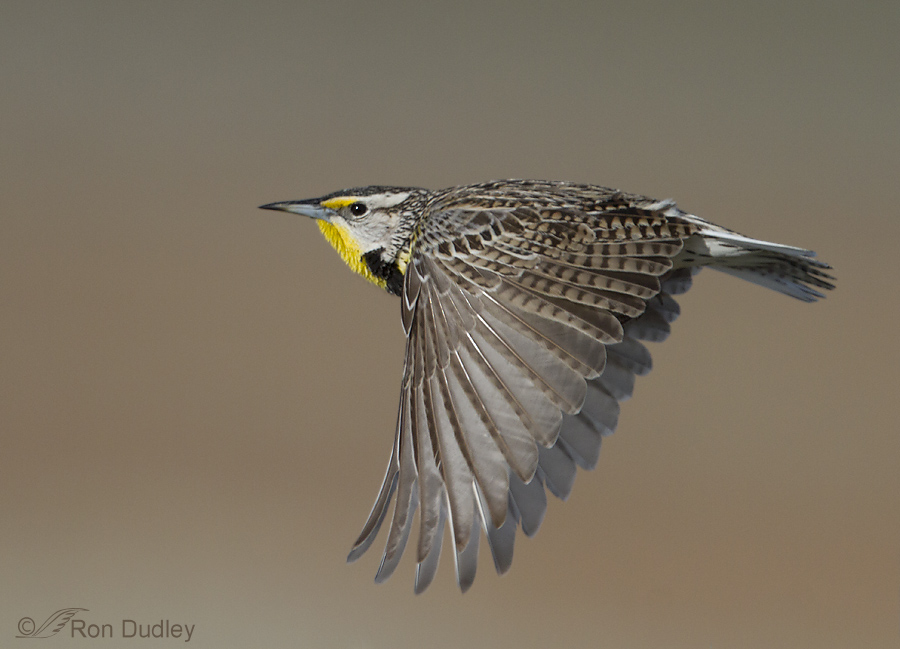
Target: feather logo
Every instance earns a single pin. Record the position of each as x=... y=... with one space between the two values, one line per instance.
x=53 y=624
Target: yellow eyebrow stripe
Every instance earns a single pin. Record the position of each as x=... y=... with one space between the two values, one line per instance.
x=339 y=202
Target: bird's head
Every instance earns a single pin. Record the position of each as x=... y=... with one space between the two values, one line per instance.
x=370 y=227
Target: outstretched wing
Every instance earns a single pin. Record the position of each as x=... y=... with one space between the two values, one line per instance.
x=524 y=327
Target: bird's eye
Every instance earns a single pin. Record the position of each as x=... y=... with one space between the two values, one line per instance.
x=358 y=209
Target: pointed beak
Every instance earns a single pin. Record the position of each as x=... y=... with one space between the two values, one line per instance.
x=312 y=209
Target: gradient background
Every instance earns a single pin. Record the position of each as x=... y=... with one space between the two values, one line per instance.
x=197 y=399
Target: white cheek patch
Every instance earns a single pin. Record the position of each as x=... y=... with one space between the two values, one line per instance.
x=364 y=236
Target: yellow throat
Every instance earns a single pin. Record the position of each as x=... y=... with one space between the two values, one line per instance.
x=347 y=247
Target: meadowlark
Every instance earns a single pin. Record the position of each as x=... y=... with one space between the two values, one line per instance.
x=525 y=304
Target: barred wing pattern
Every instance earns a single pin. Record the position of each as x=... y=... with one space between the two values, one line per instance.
x=524 y=327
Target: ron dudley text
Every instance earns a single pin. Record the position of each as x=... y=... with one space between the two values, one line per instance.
x=132 y=629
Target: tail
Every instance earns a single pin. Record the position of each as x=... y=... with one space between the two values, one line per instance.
x=786 y=269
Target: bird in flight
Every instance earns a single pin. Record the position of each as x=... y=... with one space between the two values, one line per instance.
x=526 y=305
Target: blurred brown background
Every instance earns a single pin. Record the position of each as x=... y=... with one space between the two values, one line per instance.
x=197 y=398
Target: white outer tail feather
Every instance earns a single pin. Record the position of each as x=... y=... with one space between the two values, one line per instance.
x=786 y=269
